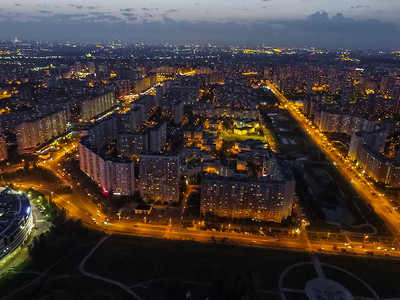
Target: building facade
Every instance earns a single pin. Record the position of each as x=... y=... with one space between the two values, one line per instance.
x=39 y=131
x=95 y=106
x=234 y=197
x=129 y=143
x=159 y=177
x=158 y=137
x=110 y=173
x=3 y=148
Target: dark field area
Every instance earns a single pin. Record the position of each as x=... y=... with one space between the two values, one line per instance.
x=165 y=269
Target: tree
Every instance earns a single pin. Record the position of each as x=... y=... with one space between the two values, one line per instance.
x=227 y=124
x=26 y=165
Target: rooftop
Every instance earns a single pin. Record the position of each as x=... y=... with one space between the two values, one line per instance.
x=13 y=207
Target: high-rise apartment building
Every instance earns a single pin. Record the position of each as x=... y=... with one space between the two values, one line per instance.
x=177 y=111
x=123 y=87
x=342 y=123
x=366 y=148
x=393 y=175
x=346 y=94
x=103 y=132
x=97 y=105
x=3 y=148
x=237 y=197
x=159 y=177
x=158 y=137
x=41 y=130
x=373 y=140
x=129 y=143
x=113 y=174
x=144 y=84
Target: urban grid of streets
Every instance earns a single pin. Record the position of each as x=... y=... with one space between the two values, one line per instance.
x=79 y=206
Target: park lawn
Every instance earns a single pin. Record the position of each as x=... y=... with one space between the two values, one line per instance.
x=172 y=267
x=137 y=260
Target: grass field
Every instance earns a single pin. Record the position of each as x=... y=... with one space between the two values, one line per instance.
x=212 y=267
x=167 y=269
x=237 y=137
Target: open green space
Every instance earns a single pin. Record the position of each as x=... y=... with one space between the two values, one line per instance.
x=168 y=269
x=352 y=205
x=32 y=174
x=218 y=266
x=227 y=136
x=354 y=286
x=299 y=276
x=222 y=267
x=381 y=274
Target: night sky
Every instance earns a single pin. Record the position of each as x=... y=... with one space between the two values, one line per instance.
x=293 y=23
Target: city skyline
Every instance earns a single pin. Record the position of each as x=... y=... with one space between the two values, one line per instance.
x=173 y=153
x=244 y=149
x=291 y=23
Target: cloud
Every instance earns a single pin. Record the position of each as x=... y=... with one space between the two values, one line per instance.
x=47 y=5
x=319 y=30
x=318 y=16
x=101 y=16
x=360 y=6
x=60 y=18
x=126 y=14
x=131 y=19
x=83 y=7
x=340 y=32
x=75 y=6
x=98 y=13
x=113 y=18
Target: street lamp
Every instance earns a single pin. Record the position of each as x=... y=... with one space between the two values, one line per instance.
x=365 y=238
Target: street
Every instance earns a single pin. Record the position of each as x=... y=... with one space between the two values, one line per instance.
x=379 y=202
